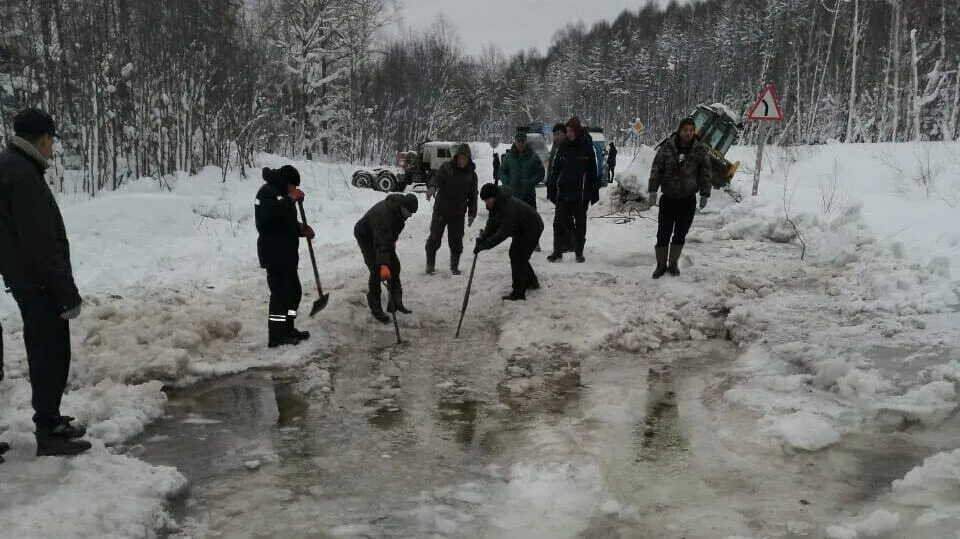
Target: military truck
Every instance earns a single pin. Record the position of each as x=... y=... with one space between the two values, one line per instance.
x=413 y=168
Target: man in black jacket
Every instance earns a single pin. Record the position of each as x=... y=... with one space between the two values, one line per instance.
x=35 y=263
x=455 y=188
x=574 y=185
x=278 y=247
x=611 y=161
x=510 y=217
x=377 y=233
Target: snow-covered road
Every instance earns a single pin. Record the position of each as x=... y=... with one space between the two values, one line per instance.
x=757 y=395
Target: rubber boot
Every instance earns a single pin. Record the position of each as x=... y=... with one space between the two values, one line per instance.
x=54 y=442
x=292 y=329
x=515 y=296
x=661 y=262
x=555 y=256
x=675 y=252
x=455 y=263
x=395 y=304
x=431 y=262
x=376 y=308
x=278 y=334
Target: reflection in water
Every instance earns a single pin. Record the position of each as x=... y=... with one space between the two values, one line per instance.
x=658 y=435
x=292 y=406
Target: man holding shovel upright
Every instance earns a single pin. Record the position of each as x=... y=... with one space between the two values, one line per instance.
x=278 y=249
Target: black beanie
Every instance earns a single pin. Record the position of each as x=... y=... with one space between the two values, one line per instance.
x=290 y=175
x=687 y=121
x=410 y=202
x=270 y=175
x=488 y=191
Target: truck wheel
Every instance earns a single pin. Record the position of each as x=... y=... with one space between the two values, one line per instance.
x=363 y=179
x=387 y=182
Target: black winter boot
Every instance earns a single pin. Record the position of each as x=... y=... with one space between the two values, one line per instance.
x=55 y=442
x=556 y=256
x=455 y=263
x=674 y=266
x=293 y=331
x=71 y=431
x=396 y=302
x=515 y=296
x=278 y=332
x=431 y=262
x=376 y=308
x=661 y=262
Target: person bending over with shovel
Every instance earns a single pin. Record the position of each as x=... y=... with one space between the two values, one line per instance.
x=510 y=217
x=278 y=249
x=377 y=233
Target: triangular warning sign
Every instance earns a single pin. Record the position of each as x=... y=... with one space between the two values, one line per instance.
x=767 y=107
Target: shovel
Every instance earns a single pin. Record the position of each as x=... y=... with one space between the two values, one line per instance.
x=466 y=296
x=324 y=298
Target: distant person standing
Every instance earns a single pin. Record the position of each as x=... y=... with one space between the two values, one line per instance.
x=35 y=264
x=611 y=162
x=567 y=240
x=680 y=169
x=577 y=185
x=496 y=167
x=455 y=187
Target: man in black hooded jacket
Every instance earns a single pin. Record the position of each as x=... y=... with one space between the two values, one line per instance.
x=377 y=233
x=510 y=217
x=278 y=248
x=573 y=186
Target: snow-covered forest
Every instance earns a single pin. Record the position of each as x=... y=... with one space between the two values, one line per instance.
x=147 y=89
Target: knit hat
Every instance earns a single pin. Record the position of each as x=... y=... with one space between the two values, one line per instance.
x=410 y=202
x=488 y=191
x=34 y=121
x=290 y=175
x=687 y=121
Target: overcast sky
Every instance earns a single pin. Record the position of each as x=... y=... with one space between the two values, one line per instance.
x=512 y=25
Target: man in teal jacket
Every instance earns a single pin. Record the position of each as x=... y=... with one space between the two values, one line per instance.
x=521 y=171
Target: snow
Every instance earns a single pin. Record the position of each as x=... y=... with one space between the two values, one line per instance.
x=858 y=337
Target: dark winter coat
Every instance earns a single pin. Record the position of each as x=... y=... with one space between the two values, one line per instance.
x=511 y=218
x=522 y=172
x=456 y=190
x=612 y=157
x=278 y=245
x=681 y=172
x=496 y=165
x=574 y=176
x=379 y=229
x=34 y=251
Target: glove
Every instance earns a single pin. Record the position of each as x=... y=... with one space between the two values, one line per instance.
x=431 y=192
x=308 y=232
x=71 y=313
x=703 y=202
x=296 y=194
x=384 y=272
x=470 y=220
x=652 y=198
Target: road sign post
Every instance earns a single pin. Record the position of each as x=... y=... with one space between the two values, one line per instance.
x=766 y=109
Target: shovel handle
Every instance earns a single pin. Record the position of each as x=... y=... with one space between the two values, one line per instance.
x=313 y=257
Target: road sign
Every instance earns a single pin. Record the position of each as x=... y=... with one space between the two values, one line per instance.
x=767 y=107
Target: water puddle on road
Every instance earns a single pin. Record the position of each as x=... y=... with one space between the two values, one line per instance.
x=452 y=440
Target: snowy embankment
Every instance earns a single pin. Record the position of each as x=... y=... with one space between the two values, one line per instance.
x=859 y=337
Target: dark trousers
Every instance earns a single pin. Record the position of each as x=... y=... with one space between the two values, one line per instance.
x=285 y=295
x=454 y=227
x=520 y=268
x=47 y=339
x=570 y=216
x=610 y=172
x=676 y=216
x=373 y=284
